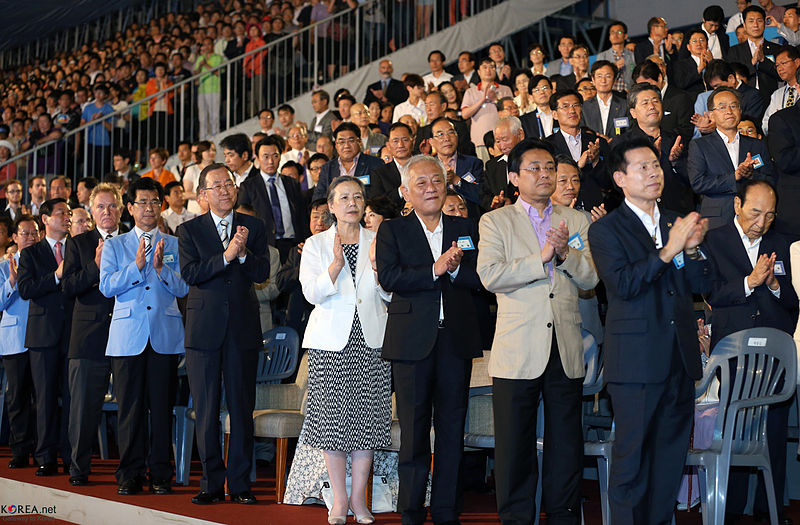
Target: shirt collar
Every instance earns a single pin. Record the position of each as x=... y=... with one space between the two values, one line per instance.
x=569 y=137
x=217 y=220
x=725 y=139
x=533 y=212
x=435 y=231
x=103 y=234
x=743 y=236
x=138 y=231
x=52 y=242
x=643 y=216
x=321 y=115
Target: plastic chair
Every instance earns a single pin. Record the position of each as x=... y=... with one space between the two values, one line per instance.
x=279 y=358
x=765 y=374
x=109 y=408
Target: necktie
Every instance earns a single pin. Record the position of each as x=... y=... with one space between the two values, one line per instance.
x=59 y=257
x=791 y=98
x=223 y=233
x=148 y=247
x=108 y=236
x=277 y=216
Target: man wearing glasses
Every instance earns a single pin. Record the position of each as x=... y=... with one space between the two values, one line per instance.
x=140 y=270
x=534 y=253
x=350 y=161
x=719 y=160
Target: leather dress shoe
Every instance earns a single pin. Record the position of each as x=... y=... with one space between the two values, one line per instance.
x=245 y=498
x=160 y=487
x=79 y=481
x=48 y=469
x=207 y=498
x=130 y=487
x=18 y=462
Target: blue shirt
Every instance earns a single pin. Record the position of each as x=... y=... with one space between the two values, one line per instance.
x=98 y=134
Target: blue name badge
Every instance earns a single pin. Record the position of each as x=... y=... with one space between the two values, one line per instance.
x=170 y=258
x=575 y=241
x=465 y=243
x=469 y=177
x=678 y=261
x=779 y=269
x=364 y=179
x=374 y=150
x=758 y=162
x=619 y=123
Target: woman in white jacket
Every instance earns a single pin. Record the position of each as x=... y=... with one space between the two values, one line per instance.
x=349 y=385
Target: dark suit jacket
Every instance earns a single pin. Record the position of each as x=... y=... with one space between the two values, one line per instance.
x=465 y=145
x=678 y=109
x=396 y=92
x=385 y=180
x=253 y=191
x=712 y=174
x=91 y=315
x=465 y=166
x=765 y=71
x=532 y=127
x=325 y=122
x=495 y=180
x=677 y=194
x=685 y=76
x=753 y=102
x=650 y=310
x=596 y=183
x=50 y=312
x=593 y=120
x=570 y=81
x=473 y=81
x=784 y=144
x=645 y=48
x=222 y=298
x=405 y=265
x=732 y=311
x=365 y=166
x=288 y=282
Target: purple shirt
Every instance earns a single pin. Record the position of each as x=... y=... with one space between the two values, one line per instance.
x=541 y=225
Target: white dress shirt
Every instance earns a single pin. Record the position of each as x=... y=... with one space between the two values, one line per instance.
x=732 y=147
x=435 y=242
x=547 y=121
x=104 y=235
x=283 y=201
x=751 y=247
x=430 y=78
x=174 y=219
x=753 y=48
x=407 y=108
x=778 y=101
x=650 y=223
x=734 y=22
x=317 y=118
x=605 y=109
x=713 y=43
x=574 y=144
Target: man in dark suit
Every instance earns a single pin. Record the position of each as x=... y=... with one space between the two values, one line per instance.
x=712 y=170
x=496 y=189
x=658 y=42
x=616 y=120
x=385 y=180
x=585 y=148
x=435 y=106
x=754 y=52
x=678 y=106
x=41 y=268
x=687 y=72
x=387 y=89
x=321 y=124
x=784 y=144
x=13 y=207
x=464 y=173
x=541 y=122
x=350 y=161
x=467 y=76
x=752 y=287
x=277 y=199
x=719 y=73
x=222 y=254
x=650 y=264
x=89 y=368
x=646 y=110
x=427 y=260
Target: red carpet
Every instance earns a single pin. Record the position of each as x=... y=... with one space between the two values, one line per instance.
x=479 y=507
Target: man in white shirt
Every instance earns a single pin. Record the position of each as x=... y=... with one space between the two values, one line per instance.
x=415 y=105
x=736 y=20
x=237 y=150
x=176 y=214
x=787 y=63
x=437 y=75
x=712 y=20
x=297 y=137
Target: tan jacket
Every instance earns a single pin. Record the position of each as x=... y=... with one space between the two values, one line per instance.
x=510 y=265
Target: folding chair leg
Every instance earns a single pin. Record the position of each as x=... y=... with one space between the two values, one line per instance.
x=603 y=472
x=102 y=436
x=281 y=451
x=538 y=507
x=769 y=486
x=368 y=490
x=226 y=441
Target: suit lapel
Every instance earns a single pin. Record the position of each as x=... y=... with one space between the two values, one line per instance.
x=722 y=150
x=363 y=255
x=638 y=230
x=416 y=230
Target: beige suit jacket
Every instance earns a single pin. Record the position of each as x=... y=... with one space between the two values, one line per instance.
x=528 y=305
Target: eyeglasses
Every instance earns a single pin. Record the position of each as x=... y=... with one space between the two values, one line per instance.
x=227 y=186
x=725 y=107
x=698 y=41
x=536 y=170
x=27 y=233
x=398 y=140
x=296 y=136
x=153 y=203
x=351 y=141
x=587 y=88
x=315 y=169
x=442 y=134
x=360 y=112
x=574 y=105
x=541 y=89
x=581 y=56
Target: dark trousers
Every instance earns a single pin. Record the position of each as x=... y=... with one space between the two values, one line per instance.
x=777 y=429
x=206 y=369
x=515 y=403
x=653 y=424
x=145 y=383
x=437 y=386
x=19 y=401
x=88 y=384
x=48 y=370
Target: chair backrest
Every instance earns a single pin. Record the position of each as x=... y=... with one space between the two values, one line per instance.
x=764 y=364
x=593 y=362
x=278 y=360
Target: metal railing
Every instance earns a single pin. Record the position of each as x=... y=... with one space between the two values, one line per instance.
x=219 y=97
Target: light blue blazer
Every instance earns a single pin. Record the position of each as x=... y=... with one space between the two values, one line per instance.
x=145 y=307
x=15 y=315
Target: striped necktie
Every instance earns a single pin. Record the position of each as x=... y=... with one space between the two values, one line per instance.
x=148 y=245
x=222 y=229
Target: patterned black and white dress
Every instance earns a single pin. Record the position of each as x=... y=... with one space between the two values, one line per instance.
x=349 y=392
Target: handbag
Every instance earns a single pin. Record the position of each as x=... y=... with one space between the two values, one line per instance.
x=381 y=494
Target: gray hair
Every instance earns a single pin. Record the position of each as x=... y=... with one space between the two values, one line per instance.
x=416 y=159
x=513 y=123
x=341 y=180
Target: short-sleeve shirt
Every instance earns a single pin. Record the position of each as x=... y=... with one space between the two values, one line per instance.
x=485 y=119
x=208 y=83
x=98 y=134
